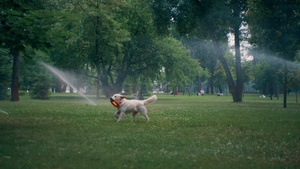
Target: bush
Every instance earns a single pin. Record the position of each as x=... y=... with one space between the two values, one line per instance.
x=41 y=88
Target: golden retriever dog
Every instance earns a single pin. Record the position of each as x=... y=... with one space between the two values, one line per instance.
x=131 y=106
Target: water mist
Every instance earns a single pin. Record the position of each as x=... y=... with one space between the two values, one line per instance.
x=1 y=111
x=61 y=75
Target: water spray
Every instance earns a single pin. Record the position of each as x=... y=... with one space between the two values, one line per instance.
x=4 y=112
x=61 y=76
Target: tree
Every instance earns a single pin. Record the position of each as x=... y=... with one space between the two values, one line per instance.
x=204 y=52
x=41 y=88
x=179 y=67
x=209 y=20
x=25 y=24
x=266 y=78
x=220 y=76
x=274 y=26
x=124 y=42
x=238 y=7
x=247 y=68
x=102 y=35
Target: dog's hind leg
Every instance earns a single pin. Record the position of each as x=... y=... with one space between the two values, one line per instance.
x=143 y=111
x=133 y=115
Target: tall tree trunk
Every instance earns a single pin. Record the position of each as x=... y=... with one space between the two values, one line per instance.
x=142 y=91
x=285 y=85
x=220 y=89
x=98 y=79
x=134 y=89
x=59 y=85
x=239 y=75
x=211 y=85
x=225 y=65
x=208 y=85
x=277 y=91
x=167 y=88
x=97 y=56
x=64 y=87
x=199 y=85
x=15 y=78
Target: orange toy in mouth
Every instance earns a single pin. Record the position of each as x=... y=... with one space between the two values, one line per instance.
x=115 y=103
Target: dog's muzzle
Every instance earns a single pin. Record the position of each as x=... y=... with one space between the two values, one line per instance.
x=114 y=102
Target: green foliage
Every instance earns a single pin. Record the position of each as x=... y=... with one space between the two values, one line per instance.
x=274 y=26
x=5 y=73
x=26 y=24
x=247 y=68
x=41 y=88
x=30 y=68
x=177 y=63
x=266 y=75
x=124 y=40
x=219 y=75
x=211 y=20
x=201 y=50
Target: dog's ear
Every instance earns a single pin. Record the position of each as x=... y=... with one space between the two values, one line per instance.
x=123 y=97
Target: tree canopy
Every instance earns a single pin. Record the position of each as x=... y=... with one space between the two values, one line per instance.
x=181 y=43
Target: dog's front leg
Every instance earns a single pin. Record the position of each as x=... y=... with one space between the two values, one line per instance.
x=117 y=114
x=122 y=114
x=133 y=115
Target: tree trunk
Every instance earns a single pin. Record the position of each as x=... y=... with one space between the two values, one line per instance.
x=167 y=88
x=97 y=54
x=15 y=78
x=134 y=89
x=64 y=87
x=285 y=85
x=114 y=87
x=211 y=85
x=220 y=89
x=225 y=66
x=239 y=75
x=199 y=85
x=277 y=91
x=142 y=90
x=208 y=85
x=59 y=85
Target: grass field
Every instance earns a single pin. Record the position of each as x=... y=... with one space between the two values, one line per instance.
x=183 y=132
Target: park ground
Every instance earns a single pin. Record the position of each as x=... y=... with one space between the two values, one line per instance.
x=184 y=132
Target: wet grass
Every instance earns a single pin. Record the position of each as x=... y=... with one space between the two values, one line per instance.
x=183 y=132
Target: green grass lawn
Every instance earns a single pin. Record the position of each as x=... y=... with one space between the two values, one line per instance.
x=183 y=132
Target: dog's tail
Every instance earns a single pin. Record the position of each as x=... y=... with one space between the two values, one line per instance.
x=150 y=100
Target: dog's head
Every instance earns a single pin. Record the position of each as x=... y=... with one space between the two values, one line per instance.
x=118 y=97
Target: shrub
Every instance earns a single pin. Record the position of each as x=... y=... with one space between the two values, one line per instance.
x=41 y=88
